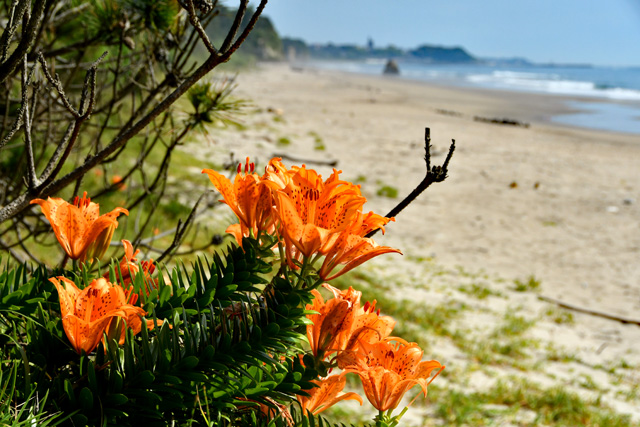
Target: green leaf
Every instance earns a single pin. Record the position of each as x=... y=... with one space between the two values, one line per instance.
x=144 y=379
x=116 y=399
x=188 y=362
x=86 y=399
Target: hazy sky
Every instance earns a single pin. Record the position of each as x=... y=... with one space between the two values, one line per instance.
x=604 y=32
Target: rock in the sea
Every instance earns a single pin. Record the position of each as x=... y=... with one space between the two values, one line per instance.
x=391 y=68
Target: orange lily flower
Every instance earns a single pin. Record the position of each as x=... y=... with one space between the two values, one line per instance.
x=127 y=272
x=372 y=221
x=248 y=198
x=350 y=250
x=388 y=370
x=327 y=394
x=278 y=174
x=129 y=268
x=368 y=327
x=327 y=332
x=311 y=211
x=87 y=313
x=83 y=233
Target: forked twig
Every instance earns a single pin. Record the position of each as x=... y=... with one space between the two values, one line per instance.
x=434 y=174
x=181 y=229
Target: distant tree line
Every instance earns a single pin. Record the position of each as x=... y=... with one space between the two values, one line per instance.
x=427 y=53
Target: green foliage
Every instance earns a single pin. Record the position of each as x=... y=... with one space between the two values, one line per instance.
x=284 y=141
x=550 y=406
x=479 y=290
x=212 y=103
x=108 y=19
x=318 y=143
x=387 y=191
x=30 y=413
x=229 y=342
x=531 y=284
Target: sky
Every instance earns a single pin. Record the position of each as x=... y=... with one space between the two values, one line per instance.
x=600 y=32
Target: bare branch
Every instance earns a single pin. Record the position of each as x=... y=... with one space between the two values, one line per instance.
x=237 y=22
x=193 y=18
x=332 y=163
x=55 y=82
x=59 y=114
x=180 y=231
x=18 y=8
x=434 y=174
x=47 y=172
x=32 y=180
x=28 y=36
x=90 y=88
x=17 y=124
x=226 y=53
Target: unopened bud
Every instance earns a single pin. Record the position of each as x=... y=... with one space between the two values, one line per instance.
x=99 y=246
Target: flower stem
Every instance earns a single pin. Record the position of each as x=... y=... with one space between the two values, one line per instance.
x=283 y=261
x=305 y=265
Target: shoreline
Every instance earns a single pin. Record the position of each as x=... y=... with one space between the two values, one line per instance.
x=571 y=110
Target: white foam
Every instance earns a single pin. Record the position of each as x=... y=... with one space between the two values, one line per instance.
x=549 y=83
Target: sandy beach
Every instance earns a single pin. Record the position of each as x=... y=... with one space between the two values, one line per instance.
x=559 y=204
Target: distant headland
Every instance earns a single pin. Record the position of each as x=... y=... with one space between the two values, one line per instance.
x=265 y=44
x=426 y=53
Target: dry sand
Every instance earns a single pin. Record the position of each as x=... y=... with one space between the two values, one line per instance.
x=558 y=203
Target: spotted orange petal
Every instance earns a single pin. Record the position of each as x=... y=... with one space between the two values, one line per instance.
x=326 y=395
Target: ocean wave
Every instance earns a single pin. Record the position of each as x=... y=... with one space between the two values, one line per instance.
x=551 y=83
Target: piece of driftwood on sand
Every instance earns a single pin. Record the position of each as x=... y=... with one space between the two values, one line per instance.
x=589 y=311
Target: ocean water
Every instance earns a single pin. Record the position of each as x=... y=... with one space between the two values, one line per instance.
x=607 y=98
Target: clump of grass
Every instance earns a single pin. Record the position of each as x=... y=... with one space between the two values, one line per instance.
x=387 y=191
x=530 y=284
x=414 y=319
x=455 y=407
x=510 y=351
x=513 y=325
x=283 y=141
x=554 y=406
x=318 y=143
x=514 y=398
x=561 y=317
x=555 y=354
x=588 y=382
x=479 y=291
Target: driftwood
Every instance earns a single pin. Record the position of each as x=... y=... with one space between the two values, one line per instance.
x=500 y=121
x=332 y=163
x=589 y=312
